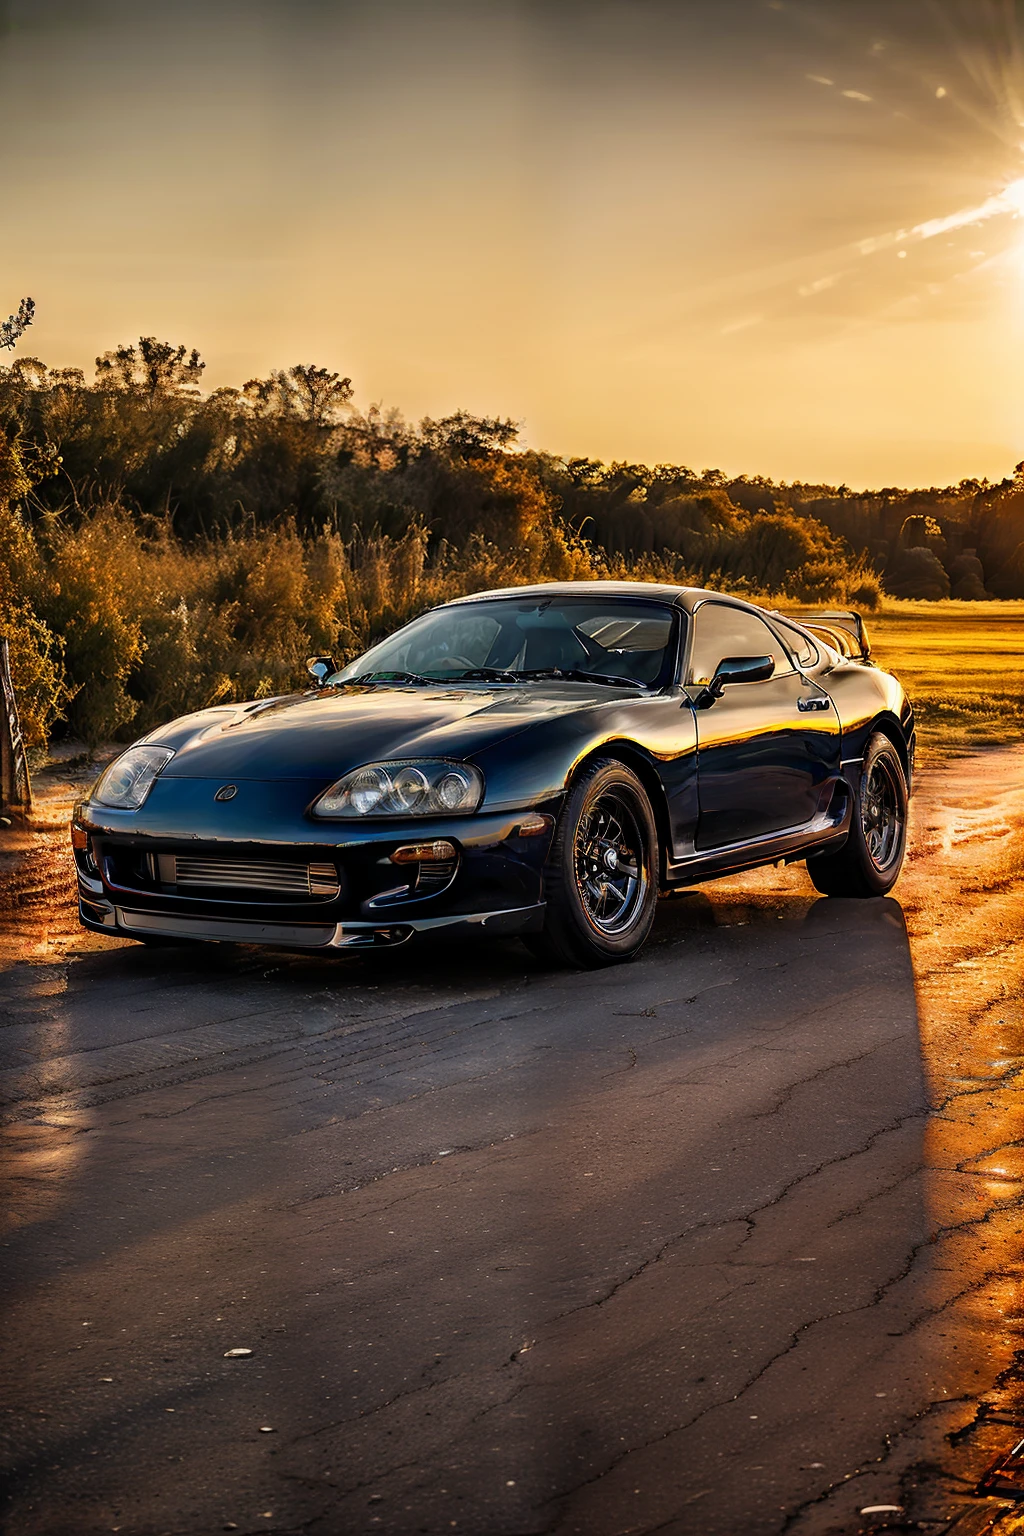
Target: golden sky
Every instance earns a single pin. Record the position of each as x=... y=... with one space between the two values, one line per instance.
x=768 y=236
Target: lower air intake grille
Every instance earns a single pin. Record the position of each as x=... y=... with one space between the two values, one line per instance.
x=239 y=874
x=435 y=876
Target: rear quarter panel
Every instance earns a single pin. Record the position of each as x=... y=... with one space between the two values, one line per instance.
x=866 y=699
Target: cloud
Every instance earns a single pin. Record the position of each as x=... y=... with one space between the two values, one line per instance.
x=1009 y=200
x=858 y=96
x=741 y=325
x=808 y=290
x=820 y=79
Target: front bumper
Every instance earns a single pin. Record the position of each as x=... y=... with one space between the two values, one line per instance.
x=495 y=885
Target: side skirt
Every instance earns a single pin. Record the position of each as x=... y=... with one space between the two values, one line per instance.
x=826 y=832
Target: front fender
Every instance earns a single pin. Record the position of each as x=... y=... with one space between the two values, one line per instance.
x=656 y=736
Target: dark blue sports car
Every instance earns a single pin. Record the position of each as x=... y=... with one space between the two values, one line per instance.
x=539 y=761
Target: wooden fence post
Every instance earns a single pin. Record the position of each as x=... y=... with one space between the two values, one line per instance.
x=15 y=785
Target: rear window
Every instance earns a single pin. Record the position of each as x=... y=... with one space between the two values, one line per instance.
x=628 y=635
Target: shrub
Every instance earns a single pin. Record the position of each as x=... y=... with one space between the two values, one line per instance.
x=864 y=591
x=916 y=572
x=35 y=651
x=91 y=592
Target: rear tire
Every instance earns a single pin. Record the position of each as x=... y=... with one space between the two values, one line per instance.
x=600 y=881
x=869 y=862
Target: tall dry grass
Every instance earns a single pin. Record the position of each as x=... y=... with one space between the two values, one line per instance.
x=141 y=627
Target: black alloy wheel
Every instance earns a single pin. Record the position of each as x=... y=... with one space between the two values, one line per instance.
x=611 y=878
x=601 y=882
x=869 y=862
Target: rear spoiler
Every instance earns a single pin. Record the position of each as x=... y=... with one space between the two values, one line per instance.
x=844 y=632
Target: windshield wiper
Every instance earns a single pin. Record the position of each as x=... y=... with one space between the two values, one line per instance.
x=576 y=676
x=495 y=675
x=392 y=677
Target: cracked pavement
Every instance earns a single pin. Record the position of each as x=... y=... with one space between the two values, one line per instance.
x=725 y=1241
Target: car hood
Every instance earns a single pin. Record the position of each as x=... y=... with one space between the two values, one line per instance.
x=327 y=733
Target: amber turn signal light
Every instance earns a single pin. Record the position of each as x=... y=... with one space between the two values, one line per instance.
x=79 y=839
x=533 y=826
x=424 y=853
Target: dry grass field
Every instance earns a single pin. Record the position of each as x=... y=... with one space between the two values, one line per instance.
x=962 y=665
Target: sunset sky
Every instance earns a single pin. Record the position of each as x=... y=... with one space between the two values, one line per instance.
x=775 y=236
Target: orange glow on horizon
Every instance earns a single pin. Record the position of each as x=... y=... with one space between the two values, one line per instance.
x=646 y=232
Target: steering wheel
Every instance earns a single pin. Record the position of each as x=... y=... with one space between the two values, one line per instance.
x=455 y=661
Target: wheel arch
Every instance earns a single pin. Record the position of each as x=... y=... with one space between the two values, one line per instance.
x=635 y=758
x=887 y=725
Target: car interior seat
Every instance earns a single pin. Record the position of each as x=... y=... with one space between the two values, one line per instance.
x=550 y=648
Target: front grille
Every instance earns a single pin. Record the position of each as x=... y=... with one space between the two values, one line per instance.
x=248 y=874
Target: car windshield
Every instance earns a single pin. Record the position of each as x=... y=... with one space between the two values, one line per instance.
x=623 y=640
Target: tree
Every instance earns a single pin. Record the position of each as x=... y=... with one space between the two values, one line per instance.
x=15 y=326
x=464 y=436
x=304 y=392
x=314 y=393
x=151 y=369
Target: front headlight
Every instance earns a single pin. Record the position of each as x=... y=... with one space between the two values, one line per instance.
x=414 y=788
x=130 y=777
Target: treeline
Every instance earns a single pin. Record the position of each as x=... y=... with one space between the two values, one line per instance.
x=161 y=548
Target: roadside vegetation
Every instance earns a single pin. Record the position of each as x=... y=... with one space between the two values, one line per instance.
x=162 y=549
x=963 y=666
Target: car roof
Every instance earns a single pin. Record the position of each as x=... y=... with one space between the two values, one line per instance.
x=683 y=597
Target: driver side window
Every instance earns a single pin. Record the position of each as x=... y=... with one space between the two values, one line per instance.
x=720 y=630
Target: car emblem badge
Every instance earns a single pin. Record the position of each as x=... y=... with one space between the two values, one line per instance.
x=226 y=792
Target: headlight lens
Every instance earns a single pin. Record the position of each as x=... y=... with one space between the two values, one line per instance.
x=130 y=777
x=404 y=789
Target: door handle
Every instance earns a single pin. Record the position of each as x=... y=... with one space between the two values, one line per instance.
x=806 y=705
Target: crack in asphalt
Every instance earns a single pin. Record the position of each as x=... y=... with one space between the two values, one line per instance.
x=891 y=1443
x=794 y=1341
x=749 y=1217
x=790 y=1093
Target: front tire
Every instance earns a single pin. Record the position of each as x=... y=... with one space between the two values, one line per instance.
x=869 y=862
x=601 y=883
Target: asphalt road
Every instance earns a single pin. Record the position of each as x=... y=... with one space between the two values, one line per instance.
x=725 y=1241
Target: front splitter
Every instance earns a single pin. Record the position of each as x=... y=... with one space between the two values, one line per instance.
x=349 y=935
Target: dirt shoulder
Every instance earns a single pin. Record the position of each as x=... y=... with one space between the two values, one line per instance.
x=38 y=896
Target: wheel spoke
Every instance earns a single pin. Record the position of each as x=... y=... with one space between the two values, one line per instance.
x=609 y=863
x=882 y=820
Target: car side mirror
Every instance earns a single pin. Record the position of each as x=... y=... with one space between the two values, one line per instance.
x=735 y=669
x=320 y=667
